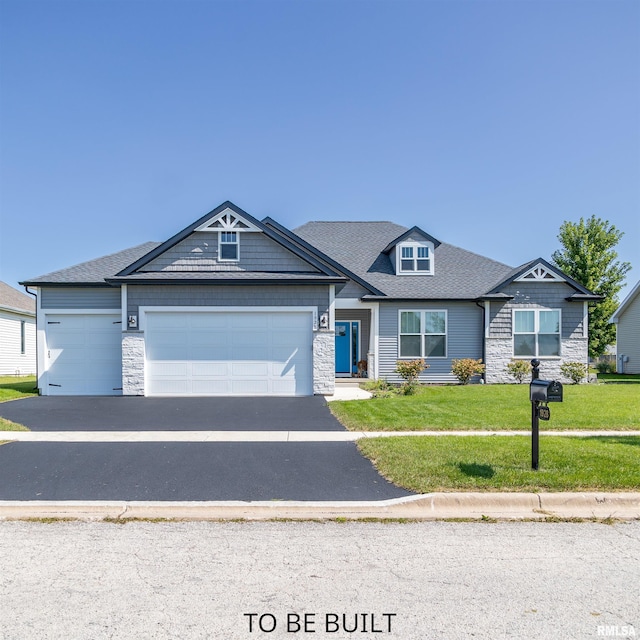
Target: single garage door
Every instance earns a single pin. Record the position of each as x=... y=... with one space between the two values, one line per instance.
x=228 y=353
x=84 y=355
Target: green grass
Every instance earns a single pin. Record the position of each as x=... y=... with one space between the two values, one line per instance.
x=619 y=378
x=495 y=407
x=12 y=388
x=477 y=463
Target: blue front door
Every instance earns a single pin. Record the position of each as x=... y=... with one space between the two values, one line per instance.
x=346 y=347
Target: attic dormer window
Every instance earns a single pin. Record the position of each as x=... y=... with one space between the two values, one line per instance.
x=228 y=249
x=414 y=257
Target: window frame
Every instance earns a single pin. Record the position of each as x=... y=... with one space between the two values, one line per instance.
x=536 y=333
x=235 y=243
x=423 y=333
x=415 y=246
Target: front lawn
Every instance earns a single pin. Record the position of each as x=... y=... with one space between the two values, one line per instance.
x=498 y=463
x=493 y=407
x=12 y=388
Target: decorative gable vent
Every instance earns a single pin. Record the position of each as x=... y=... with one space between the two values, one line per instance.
x=227 y=220
x=539 y=273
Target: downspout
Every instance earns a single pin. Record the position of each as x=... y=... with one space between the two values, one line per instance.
x=35 y=295
x=484 y=339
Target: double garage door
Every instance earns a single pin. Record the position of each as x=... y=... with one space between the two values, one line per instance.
x=187 y=353
x=228 y=353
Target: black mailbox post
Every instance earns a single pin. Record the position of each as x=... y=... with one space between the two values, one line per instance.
x=540 y=392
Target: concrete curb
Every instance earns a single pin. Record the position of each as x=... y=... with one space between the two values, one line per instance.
x=433 y=506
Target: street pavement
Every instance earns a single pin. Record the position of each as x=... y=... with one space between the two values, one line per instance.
x=406 y=581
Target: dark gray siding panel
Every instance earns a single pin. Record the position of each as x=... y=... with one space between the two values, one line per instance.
x=464 y=338
x=364 y=316
x=352 y=290
x=228 y=296
x=538 y=295
x=80 y=298
x=199 y=252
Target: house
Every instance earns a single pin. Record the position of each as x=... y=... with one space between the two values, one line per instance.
x=17 y=332
x=627 y=321
x=232 y=305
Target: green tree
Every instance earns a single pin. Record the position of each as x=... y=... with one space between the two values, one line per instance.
x=588 y=256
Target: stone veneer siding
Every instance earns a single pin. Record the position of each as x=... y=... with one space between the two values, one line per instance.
x=133 y=363
x=324 y=377
x=499 y=352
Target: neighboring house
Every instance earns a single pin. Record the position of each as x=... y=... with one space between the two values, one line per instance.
x=236 y=306
x=627 y=320
x=17 y=332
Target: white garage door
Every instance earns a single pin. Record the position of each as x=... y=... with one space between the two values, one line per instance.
x=228 y=353
x=84 y=355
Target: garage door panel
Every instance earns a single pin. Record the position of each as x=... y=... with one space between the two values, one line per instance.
x=209 y=369
x=210 y=388
x=250 y=369
x=230 y=353
x=249 y=387
x=84 y=355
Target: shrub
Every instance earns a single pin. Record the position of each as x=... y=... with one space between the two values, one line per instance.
x=466 y=368
x=575 y=371
x=605 y=367
x=409 y=370
x=380 y=388
x=519 y=369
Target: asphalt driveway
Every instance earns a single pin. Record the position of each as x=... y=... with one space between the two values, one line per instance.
x=133 y=413
x=324 y=471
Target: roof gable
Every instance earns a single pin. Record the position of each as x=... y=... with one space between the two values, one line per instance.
x=626 y=303
x=539 y=270
x=411 y=233
x=226 y=217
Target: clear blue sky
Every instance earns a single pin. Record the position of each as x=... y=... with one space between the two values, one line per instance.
x=486 y=123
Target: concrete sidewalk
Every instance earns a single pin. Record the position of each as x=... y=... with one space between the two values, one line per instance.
x=268 y=436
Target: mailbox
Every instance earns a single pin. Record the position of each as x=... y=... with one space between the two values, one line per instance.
x=545 y=391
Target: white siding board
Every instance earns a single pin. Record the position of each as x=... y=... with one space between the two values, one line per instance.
x=628 y=336
x=12 y=361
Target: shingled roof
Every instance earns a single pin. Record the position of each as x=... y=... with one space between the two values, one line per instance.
x=94 y=271
x=360 y=246
x=13 y=300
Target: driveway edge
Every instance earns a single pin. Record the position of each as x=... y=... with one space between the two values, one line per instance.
x=433 y=506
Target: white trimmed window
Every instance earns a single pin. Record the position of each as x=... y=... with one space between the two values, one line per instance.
x=423 y=334
x=414 y=258
x=229 y=246
x=536 y=333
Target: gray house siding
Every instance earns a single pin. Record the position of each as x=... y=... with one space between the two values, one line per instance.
x=227 y=296
x=464 y=338
x=199 y=252
x=352 y=290
x=80 y=298
x=535 y=295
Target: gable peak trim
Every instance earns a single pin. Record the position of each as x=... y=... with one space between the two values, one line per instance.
x=227 y=220
x=539 y=273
